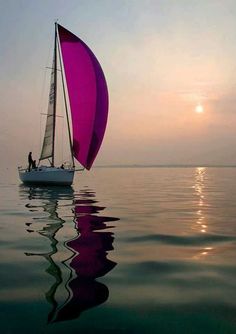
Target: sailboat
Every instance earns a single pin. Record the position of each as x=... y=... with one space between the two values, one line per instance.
x=84 y=85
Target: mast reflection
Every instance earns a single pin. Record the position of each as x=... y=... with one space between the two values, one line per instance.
x=88 y=250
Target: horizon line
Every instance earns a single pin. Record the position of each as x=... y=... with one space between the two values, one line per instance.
x=165 y=165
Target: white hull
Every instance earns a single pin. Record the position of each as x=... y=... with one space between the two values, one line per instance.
x=47 y=176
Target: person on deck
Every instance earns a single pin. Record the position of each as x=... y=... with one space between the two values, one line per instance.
x=30 y=160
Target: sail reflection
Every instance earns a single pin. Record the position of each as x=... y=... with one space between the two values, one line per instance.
x=86 y=251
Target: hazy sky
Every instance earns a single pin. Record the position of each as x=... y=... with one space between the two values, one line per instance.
x=161 y=59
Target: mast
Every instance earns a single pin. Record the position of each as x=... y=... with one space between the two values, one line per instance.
x=55 y=94
x=66 y=108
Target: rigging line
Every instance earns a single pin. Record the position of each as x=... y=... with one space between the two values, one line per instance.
x=79 y=169
x=65 y=101
x=55 y=94
x=62 y=136
x=40 y=129
x=50 y=68
x=51 y=115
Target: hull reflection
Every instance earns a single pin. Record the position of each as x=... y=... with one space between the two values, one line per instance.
x=87 y=249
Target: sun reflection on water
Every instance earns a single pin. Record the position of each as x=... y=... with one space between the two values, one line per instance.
x=201 y=223
x=199 y=189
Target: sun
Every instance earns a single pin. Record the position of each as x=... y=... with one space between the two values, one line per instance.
x=199 y=108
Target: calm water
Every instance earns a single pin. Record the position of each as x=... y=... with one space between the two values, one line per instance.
x=125 y=250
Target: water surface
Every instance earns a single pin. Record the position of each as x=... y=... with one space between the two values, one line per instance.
x=125 y=250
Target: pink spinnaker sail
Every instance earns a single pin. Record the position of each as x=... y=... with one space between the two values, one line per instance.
x=88 y=96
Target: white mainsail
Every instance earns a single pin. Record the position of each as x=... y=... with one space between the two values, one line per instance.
x=47 y=148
